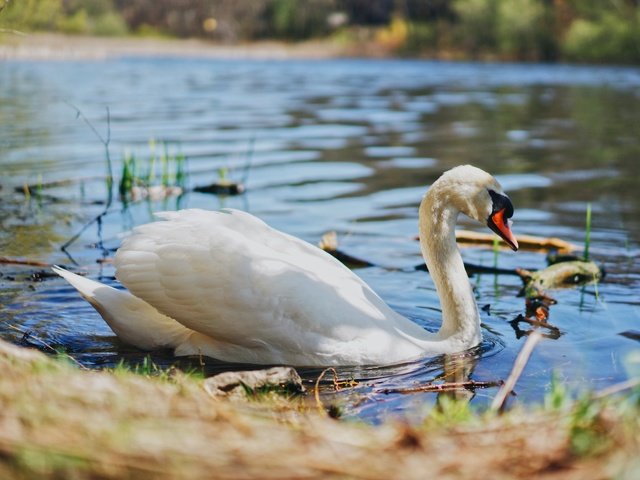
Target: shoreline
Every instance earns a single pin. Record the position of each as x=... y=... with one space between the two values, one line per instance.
x=52 y=47
x=61 y=421
x=59 y=47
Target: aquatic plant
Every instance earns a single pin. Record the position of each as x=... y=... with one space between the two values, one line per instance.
x=171 y=179
x=128 y=177
x=587 y=235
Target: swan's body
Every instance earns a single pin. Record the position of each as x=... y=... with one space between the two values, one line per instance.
x=226 y=285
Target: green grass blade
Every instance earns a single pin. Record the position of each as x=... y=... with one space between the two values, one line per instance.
x=587 y=237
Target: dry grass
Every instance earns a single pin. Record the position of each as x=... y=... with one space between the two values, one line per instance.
x=57 y=421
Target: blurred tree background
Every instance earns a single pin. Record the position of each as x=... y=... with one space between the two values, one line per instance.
x=606 y=31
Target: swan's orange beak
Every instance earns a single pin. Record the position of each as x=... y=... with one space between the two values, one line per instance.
x=499 y=224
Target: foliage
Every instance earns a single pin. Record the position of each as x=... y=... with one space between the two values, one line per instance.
x=477 y=25
x=299 y=20
x=612 y=36
x=536 y=30
x=31 y=14
x=520 y=30
x=450 y=411
x=96 y=17
x=557 y=398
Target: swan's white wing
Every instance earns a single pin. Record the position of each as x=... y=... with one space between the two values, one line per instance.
x=232 y=277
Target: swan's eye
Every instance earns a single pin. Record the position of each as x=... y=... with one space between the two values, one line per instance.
x=501 y=202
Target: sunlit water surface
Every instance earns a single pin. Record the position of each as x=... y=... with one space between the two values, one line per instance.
x=336 y=145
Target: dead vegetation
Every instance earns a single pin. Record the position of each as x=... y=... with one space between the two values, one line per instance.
x=57 y=421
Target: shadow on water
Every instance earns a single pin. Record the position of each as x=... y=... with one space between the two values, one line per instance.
x=335 y=145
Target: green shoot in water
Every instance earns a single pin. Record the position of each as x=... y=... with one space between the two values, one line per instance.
x=180 y=160
x=128 y=178
x=151 y=171
x=39 y=188
x=587 y=237
x=164 y=159
x=172 y=169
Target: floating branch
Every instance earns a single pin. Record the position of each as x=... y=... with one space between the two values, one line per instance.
x=526 y=242
x=518 y=366
x=329 y=243
x=473 y=268
x=18 y=261
x=444 y=387
x=226 y=186
x=221 y=187
x=58 y=183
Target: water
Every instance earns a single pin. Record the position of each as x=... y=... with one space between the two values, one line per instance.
x=337 y=145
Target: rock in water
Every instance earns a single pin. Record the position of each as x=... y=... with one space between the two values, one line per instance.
x=276 y=379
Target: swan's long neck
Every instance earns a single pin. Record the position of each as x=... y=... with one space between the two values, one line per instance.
x=437 y=220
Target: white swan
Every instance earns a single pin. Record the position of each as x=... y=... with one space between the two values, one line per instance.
x=226 y=285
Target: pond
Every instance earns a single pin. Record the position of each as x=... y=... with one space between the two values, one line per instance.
x=344 y=145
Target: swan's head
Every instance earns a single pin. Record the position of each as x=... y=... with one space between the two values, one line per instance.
x=478 y=195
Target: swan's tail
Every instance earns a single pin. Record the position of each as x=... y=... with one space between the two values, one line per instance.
x=132 y=319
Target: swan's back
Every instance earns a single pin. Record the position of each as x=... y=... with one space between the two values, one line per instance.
x=230 y=276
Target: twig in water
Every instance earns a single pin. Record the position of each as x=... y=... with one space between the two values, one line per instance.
x=27 y=334
x=98 y=218
x=518 y=366
x=16 y=261
x=618 y=387
x=338 y=385
x=445 y=387
x=104 y=141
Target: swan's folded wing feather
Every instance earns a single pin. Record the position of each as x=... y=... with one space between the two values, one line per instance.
x=230 y=276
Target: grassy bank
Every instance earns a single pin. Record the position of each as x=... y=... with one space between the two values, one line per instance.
x=57 y=421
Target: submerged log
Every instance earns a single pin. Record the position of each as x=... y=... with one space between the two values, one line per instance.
x=558 y=275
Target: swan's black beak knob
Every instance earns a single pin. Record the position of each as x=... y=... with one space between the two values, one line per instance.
x=499 y=221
